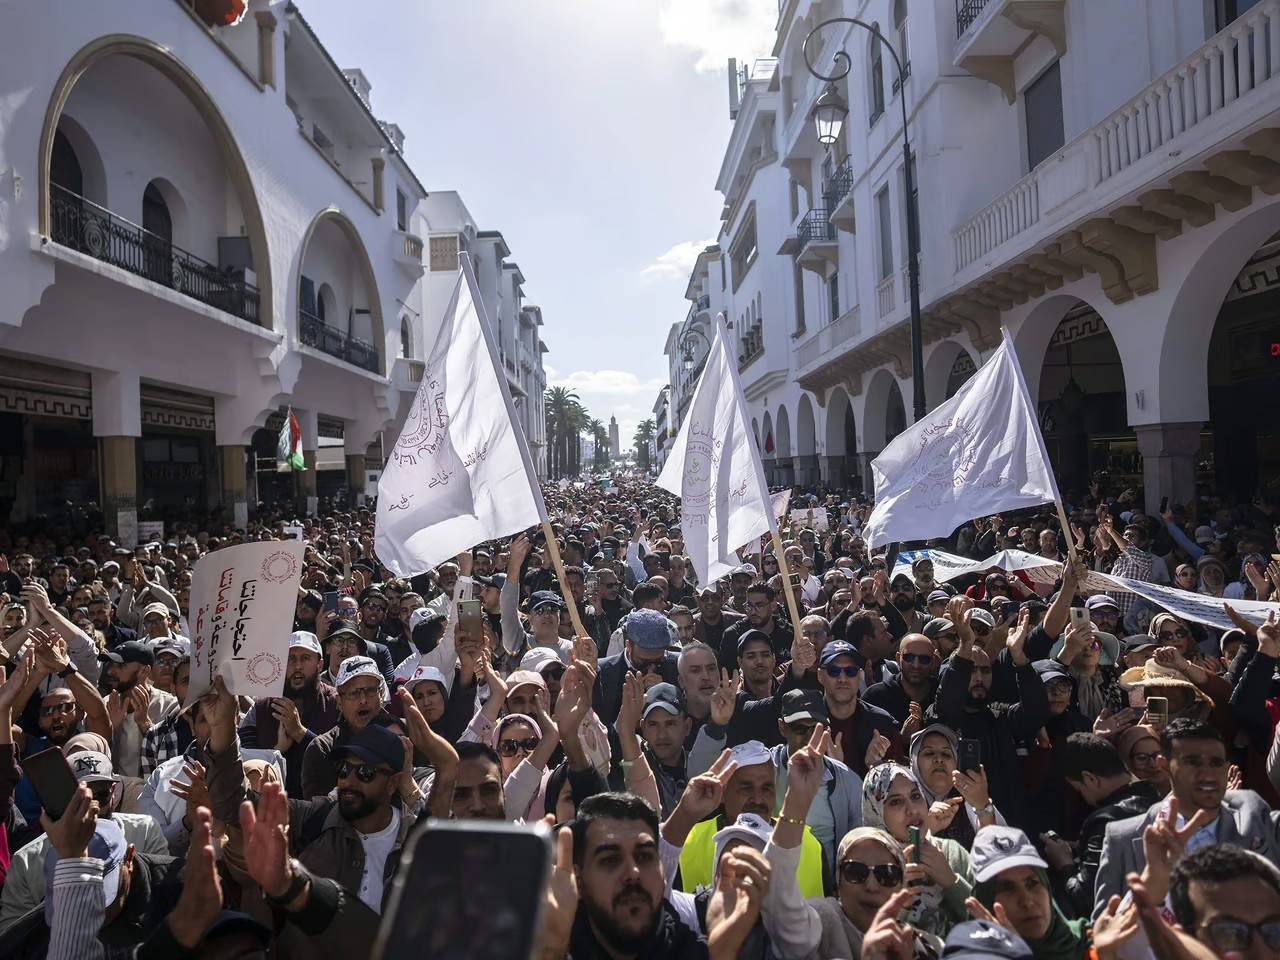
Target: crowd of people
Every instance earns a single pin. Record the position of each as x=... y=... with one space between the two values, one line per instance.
x=828 y=753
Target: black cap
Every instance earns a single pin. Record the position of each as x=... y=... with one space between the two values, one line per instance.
x=803 y=705
x=982 y=939
x=541 y=597
x=312 y=599
x=373 y=744
x=665 y=696
x=1136 y=642
x=753 y=634
x=342 y=626
x=131 y=651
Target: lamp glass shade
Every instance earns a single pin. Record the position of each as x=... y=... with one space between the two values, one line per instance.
x=829 y=114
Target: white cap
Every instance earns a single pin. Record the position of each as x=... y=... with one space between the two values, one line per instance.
x=750 y=754
x=353 y=667
x=306 y=640
x=426 y=673
x=424 y=613
x=750 y=827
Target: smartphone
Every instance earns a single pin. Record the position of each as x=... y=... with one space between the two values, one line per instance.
x=970 y=755
x=467 y=888
x=1080 y=617
x=608 y=552
x=1009 y=609
x=331 y=601
x=1157 y=713
x=591 y=583
x=1164 y=504
x=913 y=834
x=471 y=618
x=795 y=579
x=644 y=513
x=52 y=780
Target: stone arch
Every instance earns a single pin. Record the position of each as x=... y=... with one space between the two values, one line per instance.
x=768 y=442
x=93 y=171
x=782 y=426
x=178 y=73
x=885 y=414
x=841 y=435
x=334 y=216
x=1037 y=329
x=806 y=432
x=941 y=376
x=179 y=218
x=406 y=338
x=755 y=431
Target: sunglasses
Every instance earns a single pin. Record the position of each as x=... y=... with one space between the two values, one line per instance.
x=888 y=875
x=57 y=709
x=1226 y=934
x=365 y=772
x=1164 y=636
x=851 y=671
x=801 y=729
x=924 y=659
x=980 y=628
x=509 y=748
x=364 y=693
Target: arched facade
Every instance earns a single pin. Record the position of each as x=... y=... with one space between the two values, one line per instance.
x=189 y=85
x=885 y=415
x=806 y=459
x=784 y=471
x=948 y=366
x=841 y=464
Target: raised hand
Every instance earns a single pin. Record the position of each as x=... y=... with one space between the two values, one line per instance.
x=1171 y=657
x=1115 y=927
x=12 y=686
x=586 y=651
x=805 y=769
x=195 y=792
x=741 y=883
x=1109 y=723
x=69 y=834
x=886 y=938
x=725 y=700
x=266 y=840
x=704 y=792
x=1018 y=638
x=914 y=721
x=978 y=912
x=1268 y=633
x=574 y=701
x=1166 y=941
x=1163 y=845
x=115 y=709
x=1057 y=851
x=973 y=786
x=876 y=749
x=958 y=608
x=139 y=699
x=286 y=713
x=560 y=897
x=632 y=702
x=942 y=812
x=933 y=862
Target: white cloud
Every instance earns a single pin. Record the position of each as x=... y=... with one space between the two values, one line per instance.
x=676 y=263
x=614 y=382
x=550 y=373
x=719 y=29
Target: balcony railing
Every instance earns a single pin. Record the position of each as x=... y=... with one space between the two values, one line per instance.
x=83 y=226
x=884 y=296
x=314 y=332
x=815 y=227
x=838 y=185
x=967 y=11
x=830 y=339
x=703 y=303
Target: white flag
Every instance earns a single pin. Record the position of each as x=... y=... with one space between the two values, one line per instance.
x=715 y=469
x=460 y=474
x=975 y=455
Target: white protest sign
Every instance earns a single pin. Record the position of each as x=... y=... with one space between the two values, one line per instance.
x=779 y=502
x=293 y=531
x=801 y=518
x=242 y=605
x=150 y=531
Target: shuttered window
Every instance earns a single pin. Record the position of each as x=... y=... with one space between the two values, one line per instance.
x=1042 y=103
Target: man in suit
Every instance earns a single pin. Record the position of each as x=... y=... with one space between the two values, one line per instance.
x=648 y=638
x=1206 y=813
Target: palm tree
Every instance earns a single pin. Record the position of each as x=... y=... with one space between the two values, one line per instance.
x=600 y=437
x=643 y=437
x=566 y=417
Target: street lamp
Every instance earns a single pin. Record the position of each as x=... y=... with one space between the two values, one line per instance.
x=829 y=114
x=686 y=344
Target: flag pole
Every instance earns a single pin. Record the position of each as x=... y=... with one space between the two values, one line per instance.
x=554 y=548
x=792 y=606
x=1066 y=531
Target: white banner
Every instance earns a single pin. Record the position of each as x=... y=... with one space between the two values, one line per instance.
x=460 y=473
x=242 y=603
x=817 y=522
x=978 y=454
x=714 y=467
x=779 y=503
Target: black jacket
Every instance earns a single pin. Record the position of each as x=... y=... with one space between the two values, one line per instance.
x=607 y=700
x=889 y=696
x=1073 y=886
x=783 y=636
x=672 y=940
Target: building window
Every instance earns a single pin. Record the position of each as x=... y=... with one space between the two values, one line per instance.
x=904 y=50
x=1042 y=104
x=833 y=294
x=876 y=79
x=884 y=223
x=744 y=250
x=442 y=254
x=1227 y=12
x=402 y=211
x=406 y=338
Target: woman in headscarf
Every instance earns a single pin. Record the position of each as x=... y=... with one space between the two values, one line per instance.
x=1089 y=656
x=1213 y=575
x=1013 y=889
x=947 y=790
x=892 y=801
x=1170 y=631
x=1139 y=748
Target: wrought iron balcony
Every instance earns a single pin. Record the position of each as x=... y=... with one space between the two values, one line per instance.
x=967 y=11
x=839 y=184
x=703 y=303
x=83 y=226
x=314 y=332
x=815 y=228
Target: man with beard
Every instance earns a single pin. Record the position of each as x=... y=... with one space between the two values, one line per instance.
x=362 y=694
x=713 y=619
x=59 y=584
x=611 y=606
x=915 y=681
x=962 y=704
x=401 y=646
x=171 y=736
x=902 y=595
x=739 y=581
x=308 y=709
x=114 y=634
x=373 y=616
x=761 y=608
x=696 y=670
x=647 y=649
x=477 y=791
x=356 y=838
x=757 y=662
x=133 y=703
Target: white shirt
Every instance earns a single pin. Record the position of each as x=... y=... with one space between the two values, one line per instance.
x=377 y=847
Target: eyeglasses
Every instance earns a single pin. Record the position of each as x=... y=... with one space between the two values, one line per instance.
x=365 y=772
x=364 y=693
x=849 y=671
x=57 y=709
x=888 y=875
x=509 y=748
x=376 y=607
x=801 y=729
x=343 y=642
x=755 y=606
x=924 y=659
x=648 y=666
x=769 y=562
x=1164 y=636
x=1143 y=758
x=1226 y=934
x=815 y=634
x=1061 y=688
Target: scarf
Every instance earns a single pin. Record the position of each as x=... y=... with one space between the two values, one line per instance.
x=1064 y=940
x=1091 y=692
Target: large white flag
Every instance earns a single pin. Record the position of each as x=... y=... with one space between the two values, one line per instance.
x=714 y=467
x=460 y=473
x=975 y=455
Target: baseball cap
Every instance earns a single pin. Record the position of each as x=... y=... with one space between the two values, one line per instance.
x=839 y=648
x=936 y=595
x=746 y=570
x=353 y=667
x=423 y=615
x=936 y=626
x=176 y=646
x=753 y=634
x=750 y=754
x=425 y=672
x=983 y=616
x=997 y=848
x=152 y=608
x=982 y=939
x=108 y=845
x=648 y=629
x=542 y=598
x=89 y=766
x=749 y=827
x=662 y=696
x=131 y=651
x=1204 y=535
x=374 y=744
x=803 y=705
x=110 y=565
x=1099 y=601
x=305 y=640
x=520 y=677
x=539 y=658
x=1136 y=642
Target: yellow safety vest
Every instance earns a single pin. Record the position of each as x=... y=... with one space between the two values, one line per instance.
x=696 y=868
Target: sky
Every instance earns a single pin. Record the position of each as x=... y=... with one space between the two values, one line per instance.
x=589 y=132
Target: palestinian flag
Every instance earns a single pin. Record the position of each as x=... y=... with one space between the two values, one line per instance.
x=289 y=445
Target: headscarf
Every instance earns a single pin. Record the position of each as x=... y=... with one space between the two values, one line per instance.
x=1064 y=940
x=1210 y=560
x=875 y=791
x=511 y=718
x=917 y=741
x=1192 y=653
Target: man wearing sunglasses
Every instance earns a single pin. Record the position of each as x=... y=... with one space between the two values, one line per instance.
x=864 y=733
x=361 y=692
x=1229 y=900
x=648 y=641
x=915 y=682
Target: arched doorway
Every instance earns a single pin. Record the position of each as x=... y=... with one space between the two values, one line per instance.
x=768 y=449
x=1082 y=406
x=842 y=460
x=784 y=470
x=806 y=444
x=157 y=240
x=945 y=372
x=339 y=310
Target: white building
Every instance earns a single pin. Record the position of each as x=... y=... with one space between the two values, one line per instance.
x=1096 y=178
x=201 y=226
x=663 y=434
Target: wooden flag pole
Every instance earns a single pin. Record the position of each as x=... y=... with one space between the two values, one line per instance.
x=1066 y=531
x=792 y=606
x=579 y=629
